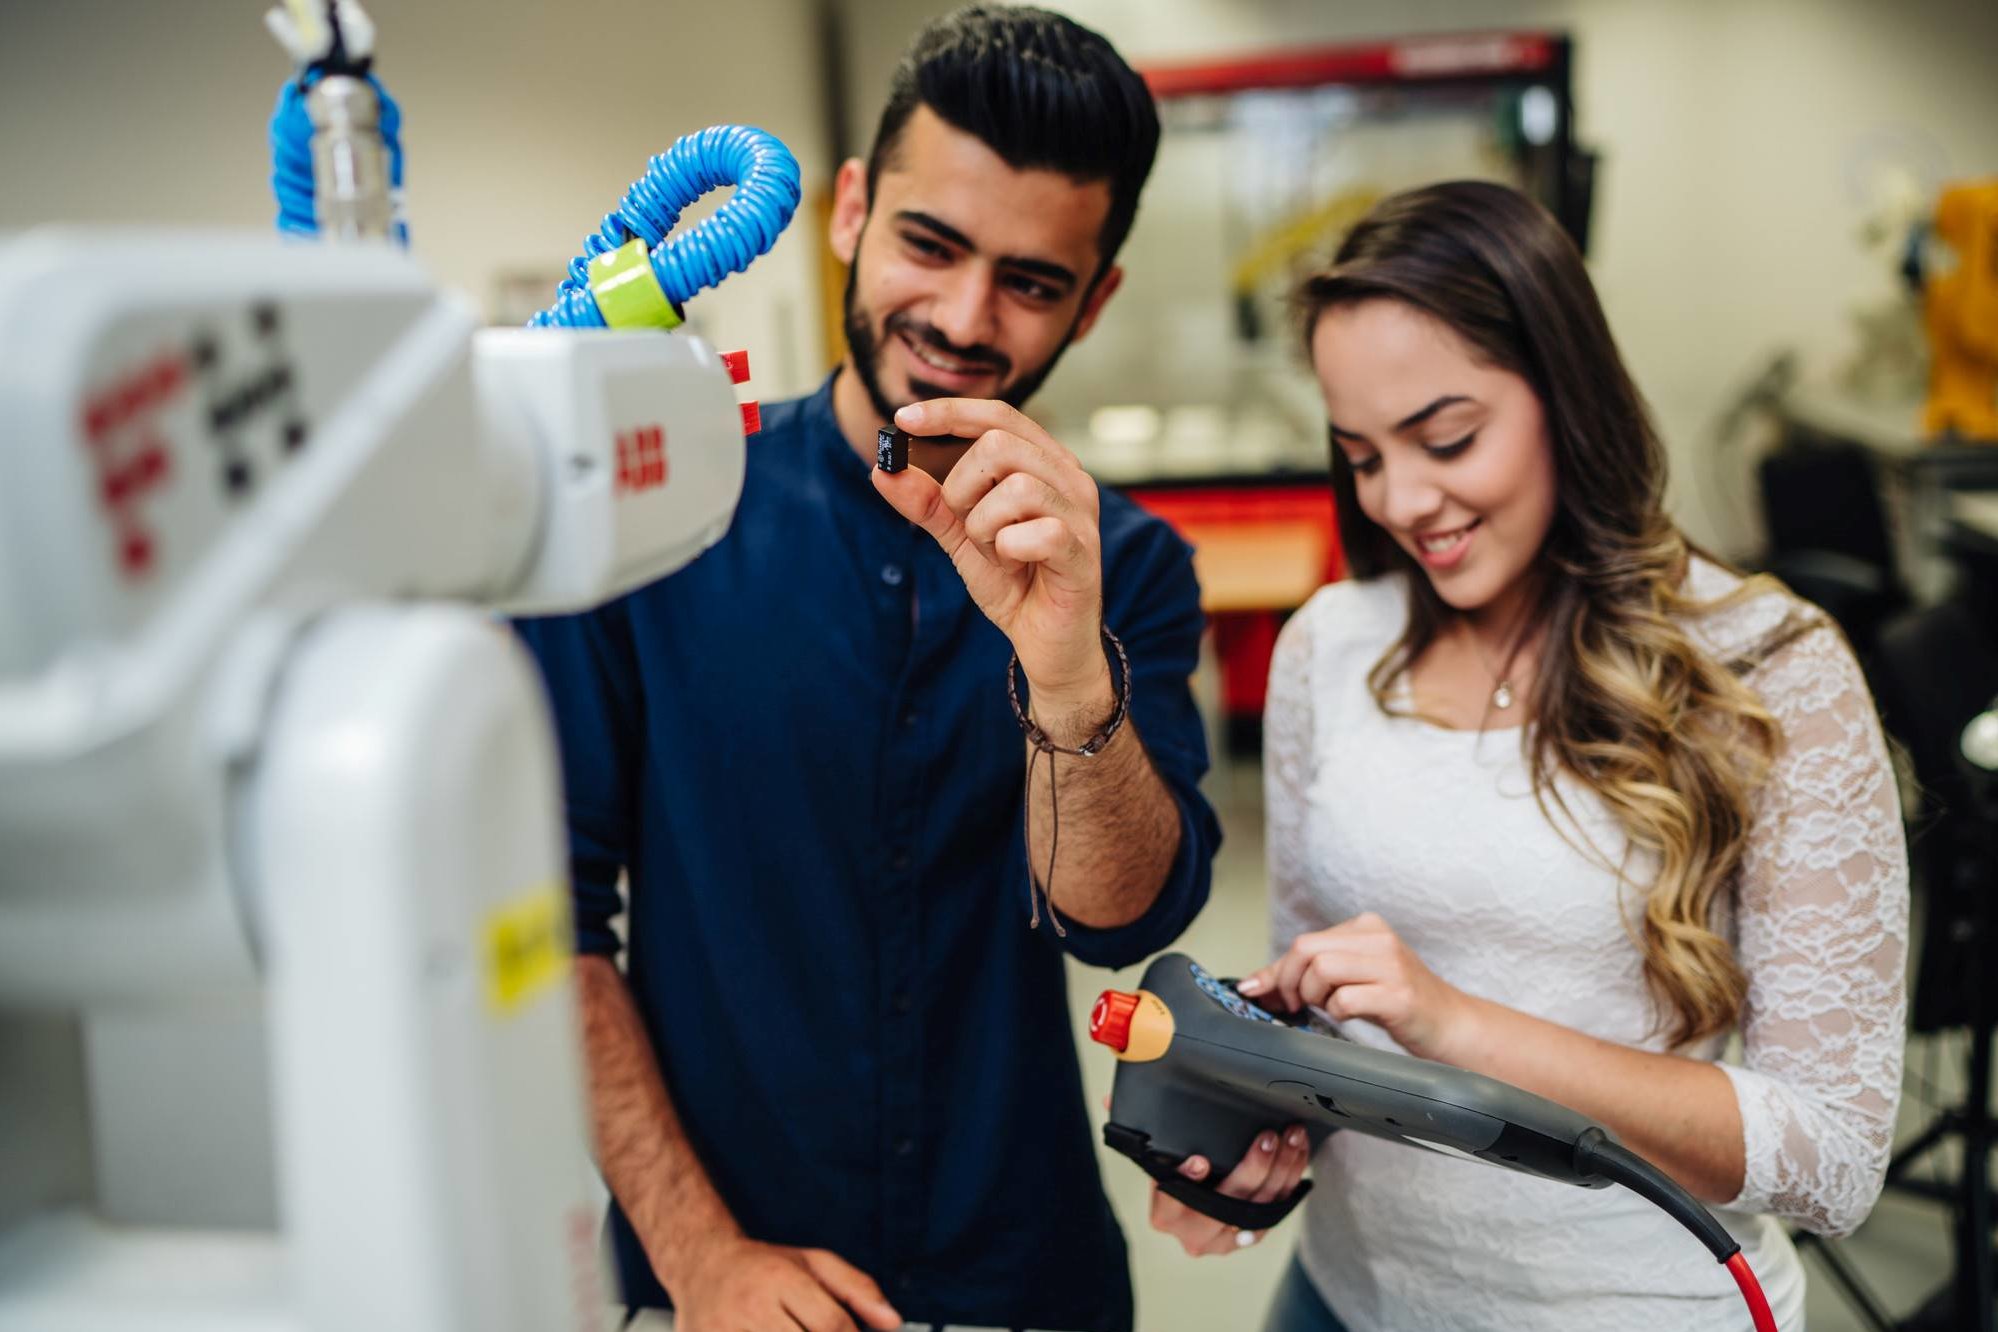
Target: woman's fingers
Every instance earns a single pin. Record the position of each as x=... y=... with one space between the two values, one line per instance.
x=1253 y=1169
x=1292 y=1160
x=1194 y=1230
x=1335 y=972
x=1258 y=983
x=1376 y=1003
x=1307 y=977
x=1269 y=1169
x=1231 y=1240
x=1286 y=1165
x=1362 y=936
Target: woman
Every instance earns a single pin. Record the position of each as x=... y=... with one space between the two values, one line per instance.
x=1555 y=798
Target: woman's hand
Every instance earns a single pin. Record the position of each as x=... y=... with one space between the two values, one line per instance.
x=1361 y=969
x=1269 y=1173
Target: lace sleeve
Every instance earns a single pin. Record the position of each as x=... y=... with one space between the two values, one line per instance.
x=1822 y=915
x=1289 y=762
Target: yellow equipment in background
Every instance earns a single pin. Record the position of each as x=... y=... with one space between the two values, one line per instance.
x=1962 y=317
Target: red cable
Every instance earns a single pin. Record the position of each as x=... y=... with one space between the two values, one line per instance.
x=1751 y=1290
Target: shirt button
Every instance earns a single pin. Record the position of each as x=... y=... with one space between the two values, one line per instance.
x=904 y=1001
x=903 y=1146
x=908 y=718
x=900 y=862
x=891 y=574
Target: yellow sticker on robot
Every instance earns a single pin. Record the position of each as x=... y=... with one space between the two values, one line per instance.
x=526 y=947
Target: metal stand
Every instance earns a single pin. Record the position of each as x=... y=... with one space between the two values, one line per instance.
x=1969 y=1303
x=1974 y=1286
x=1858 y=1295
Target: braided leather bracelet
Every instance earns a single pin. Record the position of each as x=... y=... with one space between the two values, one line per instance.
x=1044 y=744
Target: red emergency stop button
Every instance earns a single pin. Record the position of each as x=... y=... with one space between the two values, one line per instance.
x=1110 y=1020
x=737 y=364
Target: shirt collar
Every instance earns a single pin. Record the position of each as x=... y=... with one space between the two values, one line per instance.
x=822 y=424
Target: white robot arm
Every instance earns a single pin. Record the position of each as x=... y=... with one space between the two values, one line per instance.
x=263 y=750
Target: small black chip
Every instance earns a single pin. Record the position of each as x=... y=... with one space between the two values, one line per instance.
x=891 y=449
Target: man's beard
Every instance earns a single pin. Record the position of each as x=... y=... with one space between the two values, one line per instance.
x=867 y=350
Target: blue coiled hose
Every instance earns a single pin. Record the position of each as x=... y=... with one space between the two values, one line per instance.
x=291 y=157
x=765 y=176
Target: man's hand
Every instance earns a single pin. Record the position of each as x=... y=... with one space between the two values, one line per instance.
x=1269 y=1173
x=739 y=1285
x=1018 y=517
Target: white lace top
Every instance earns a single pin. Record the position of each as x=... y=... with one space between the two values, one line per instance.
x=1438 y=831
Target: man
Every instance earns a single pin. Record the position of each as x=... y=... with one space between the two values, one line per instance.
x=836 y=1083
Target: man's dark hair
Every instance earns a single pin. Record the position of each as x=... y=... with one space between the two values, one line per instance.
x=1038 y=89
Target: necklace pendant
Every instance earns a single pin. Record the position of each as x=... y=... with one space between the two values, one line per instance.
x=1502 y=696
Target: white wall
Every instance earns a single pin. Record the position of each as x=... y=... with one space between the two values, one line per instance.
x=1730 y=131
x=524 y=125
x=1725 y=212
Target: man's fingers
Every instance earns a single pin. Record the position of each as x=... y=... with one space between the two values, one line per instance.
x=968 y=418
x=808 y=1302
x=1051 y=543
x=999 y=454
x=916 y=495
x=1016 y=499
x=855 y=1288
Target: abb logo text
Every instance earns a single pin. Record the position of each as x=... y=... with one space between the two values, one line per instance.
x=131 y=455
x=641 y=459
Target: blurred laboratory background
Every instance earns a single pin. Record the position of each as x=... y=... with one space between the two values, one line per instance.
x=1759 y=187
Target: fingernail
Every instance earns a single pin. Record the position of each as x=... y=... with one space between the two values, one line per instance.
x=910 y=415
x=1196 y=1168
x=1296 y=1138
x=1244 y=1238
x=1266 y=1143
x=1250 y=985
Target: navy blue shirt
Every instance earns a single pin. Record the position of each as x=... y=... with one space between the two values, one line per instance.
x=799 y=748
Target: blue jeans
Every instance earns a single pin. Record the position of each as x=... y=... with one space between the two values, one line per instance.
x=1298 y=1307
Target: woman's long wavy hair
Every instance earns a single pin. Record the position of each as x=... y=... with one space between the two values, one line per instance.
x=1626 y=703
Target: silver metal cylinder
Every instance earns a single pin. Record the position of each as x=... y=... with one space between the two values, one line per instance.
x=349 y=161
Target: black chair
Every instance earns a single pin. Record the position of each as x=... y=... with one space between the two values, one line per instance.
x=1828 y=533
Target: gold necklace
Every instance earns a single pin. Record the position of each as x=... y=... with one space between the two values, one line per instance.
x=1502 y=680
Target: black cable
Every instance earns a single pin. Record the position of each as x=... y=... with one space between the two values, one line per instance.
x=1597 y=1154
